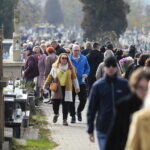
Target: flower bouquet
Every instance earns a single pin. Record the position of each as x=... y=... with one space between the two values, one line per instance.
x=125 y=63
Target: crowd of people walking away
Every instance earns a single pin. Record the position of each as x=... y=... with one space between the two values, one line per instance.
x=113 y=82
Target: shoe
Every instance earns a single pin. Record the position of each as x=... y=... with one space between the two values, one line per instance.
x=73 y=120
x=65 y=123
x=79 y=117
x=50 y=101
x=55 y=119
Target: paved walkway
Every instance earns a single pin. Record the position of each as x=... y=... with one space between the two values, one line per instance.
x=73 y=137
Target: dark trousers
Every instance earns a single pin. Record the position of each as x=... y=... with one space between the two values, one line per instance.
x=82 y=98
x=90 y=83
x=65 y=105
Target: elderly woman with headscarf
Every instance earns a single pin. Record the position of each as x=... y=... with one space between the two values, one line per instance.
x=61 y=80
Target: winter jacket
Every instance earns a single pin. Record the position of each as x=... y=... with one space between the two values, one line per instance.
x=104 y=95
x=31 y=67
x=82 y=67
x=71 y=80
x=85 y=52
x=95 y=57
x=119 y=130
x=139 y=133
x=41 y=66
x=48 y=64
x=59 y=50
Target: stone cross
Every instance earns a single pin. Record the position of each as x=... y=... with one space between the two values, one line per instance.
x=16 y=37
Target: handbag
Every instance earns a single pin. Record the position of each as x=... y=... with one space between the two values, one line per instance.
x=54 y=87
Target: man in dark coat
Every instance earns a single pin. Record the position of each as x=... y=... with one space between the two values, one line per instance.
x=57 y=48
x=95 y=57
x=125 y=109
x=30 y=70
x=87 y=50
x=104 y=95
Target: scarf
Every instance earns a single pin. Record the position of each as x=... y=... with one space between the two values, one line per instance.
x=63 y=68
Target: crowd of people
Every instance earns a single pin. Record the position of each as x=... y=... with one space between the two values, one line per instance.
x=115 y=83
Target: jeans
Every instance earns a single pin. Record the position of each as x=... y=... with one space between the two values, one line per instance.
x=101 y=140
x=82 y=98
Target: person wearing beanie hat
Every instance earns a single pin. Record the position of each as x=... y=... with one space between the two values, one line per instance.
x=104 y=95
x=28 y=48
x=82 y=67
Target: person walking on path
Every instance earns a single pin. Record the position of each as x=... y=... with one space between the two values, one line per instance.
x=50 y=59
x=61 y=78
x=103 y=97
x=88 y=49
x=100 y=70
x=30 y=69
x=82 y=69
x=125 y=109
x=95 y=57
x=41 y=67
x=57 y=48
x=139 y=134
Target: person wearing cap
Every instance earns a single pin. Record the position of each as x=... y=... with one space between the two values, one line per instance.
x=30 y=70
x=104 y=95
x=82 y=69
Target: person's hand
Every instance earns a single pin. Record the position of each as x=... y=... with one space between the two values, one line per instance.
x=77 y=91
x=91 y=137
x=85 y=76
x=22 y=73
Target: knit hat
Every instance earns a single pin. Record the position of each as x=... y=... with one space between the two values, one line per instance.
x=76 y=47
x=50 y=50
x=110 y=61
x=28 y=48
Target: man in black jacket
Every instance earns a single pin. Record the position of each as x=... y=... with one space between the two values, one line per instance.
x=104 y=95
x=57 y=48
x=88 y=49
x=95 y=57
